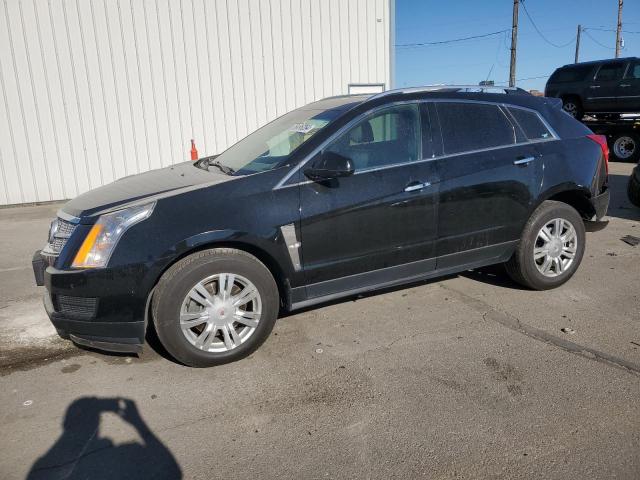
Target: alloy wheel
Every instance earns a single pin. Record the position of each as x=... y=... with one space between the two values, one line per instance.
x=555 y=247
x=571 y=108
x=220 y=312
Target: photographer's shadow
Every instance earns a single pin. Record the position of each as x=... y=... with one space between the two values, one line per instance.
x=81 y=451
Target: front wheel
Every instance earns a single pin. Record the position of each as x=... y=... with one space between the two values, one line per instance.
x=215 y=306
x=550 y=249
x=573 y=107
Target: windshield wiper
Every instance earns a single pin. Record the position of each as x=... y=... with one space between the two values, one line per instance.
x=223 y=168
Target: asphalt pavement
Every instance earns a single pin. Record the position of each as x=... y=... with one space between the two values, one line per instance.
x=469 y=376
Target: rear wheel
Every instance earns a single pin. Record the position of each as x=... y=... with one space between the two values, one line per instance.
x=550 y=249
x=573 y=107
x=214 y=307
x=625 y=147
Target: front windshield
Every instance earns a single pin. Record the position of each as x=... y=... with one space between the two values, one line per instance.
x=268 y=146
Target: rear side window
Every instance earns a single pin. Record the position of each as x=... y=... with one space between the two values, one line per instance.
x=570 y=74
x=531 y=124
x=611 y=71
x=473 y=126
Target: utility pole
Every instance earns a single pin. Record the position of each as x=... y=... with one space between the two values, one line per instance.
x=514 y=44
x=618 y=30
x=578 y=43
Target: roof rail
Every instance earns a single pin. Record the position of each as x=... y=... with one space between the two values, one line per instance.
x=452 y=88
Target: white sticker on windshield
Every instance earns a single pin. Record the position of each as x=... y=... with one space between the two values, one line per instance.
x=302 y=127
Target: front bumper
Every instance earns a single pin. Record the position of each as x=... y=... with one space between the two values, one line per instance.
x=103 y=309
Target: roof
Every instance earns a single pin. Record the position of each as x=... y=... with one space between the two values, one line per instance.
x=454 y=89
x=594 y=62
x=479 y=93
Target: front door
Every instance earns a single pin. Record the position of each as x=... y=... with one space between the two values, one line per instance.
x=487 y=174
x=601 y=94
x=382 y=216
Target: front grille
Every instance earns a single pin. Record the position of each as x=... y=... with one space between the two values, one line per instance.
x=65 y=229
x=59 y=236
x=82 y=308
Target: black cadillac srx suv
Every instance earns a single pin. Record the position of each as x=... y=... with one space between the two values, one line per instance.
x=344 y=195
x=603 y=86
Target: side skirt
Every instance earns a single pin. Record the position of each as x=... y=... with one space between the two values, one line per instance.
x=330 y=290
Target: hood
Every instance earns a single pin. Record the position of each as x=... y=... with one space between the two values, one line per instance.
x=143 y=187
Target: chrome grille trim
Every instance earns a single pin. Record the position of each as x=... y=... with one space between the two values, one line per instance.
x=60 y=237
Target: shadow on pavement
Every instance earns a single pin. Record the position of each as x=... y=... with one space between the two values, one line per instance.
x=493 y=275
x=81 y=451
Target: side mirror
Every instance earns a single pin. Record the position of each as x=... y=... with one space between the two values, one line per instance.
x=329 y=165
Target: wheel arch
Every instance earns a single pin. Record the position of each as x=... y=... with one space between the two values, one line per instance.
x=206 y=242
x=572 y=195
x=567 y=96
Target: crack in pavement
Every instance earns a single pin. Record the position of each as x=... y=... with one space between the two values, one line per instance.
x=513 y=323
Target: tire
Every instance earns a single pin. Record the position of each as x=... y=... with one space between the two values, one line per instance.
x=524 y=269
x=178 y=297
x=633 y=190
x=625 y=147
x=573 y=106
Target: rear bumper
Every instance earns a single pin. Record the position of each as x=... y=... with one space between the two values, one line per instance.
x=601 y=203
x=98 y=309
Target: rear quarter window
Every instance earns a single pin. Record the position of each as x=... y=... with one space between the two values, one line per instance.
x=530 y=123
x=473 y=126
x=570 y=74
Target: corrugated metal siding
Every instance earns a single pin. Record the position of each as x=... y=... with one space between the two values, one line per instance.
x=95 y=90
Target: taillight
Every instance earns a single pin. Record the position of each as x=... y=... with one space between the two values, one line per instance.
x=602 y=141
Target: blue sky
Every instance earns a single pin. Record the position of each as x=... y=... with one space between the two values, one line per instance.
x=470 y=61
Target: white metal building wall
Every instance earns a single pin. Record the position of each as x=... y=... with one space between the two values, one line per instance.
x=93 y=90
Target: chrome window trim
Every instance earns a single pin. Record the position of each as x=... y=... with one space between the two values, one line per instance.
x=540 y=117
x=555 y=137
x=342 y=130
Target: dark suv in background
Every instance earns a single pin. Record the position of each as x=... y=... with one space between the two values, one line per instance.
x=341 y=196
x=600 y=87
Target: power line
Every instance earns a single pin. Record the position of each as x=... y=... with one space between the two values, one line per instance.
x=540 y=33
x=526 y=78
x=453 y=40
x=609 y=30
x=596 y=41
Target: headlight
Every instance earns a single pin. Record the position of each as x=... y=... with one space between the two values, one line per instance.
x=104 y=235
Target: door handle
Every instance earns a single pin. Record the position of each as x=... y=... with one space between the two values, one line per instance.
x=523 y=160
x=594 y=86
x=412 y=187
x=623 y=85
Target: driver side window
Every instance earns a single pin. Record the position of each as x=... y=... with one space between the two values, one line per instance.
x=387 y=137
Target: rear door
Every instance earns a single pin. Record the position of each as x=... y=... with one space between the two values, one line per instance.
x=602 y=93
x=487 y=182
x=629 y=89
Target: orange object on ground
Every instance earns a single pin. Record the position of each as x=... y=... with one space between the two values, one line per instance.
x=194 y=151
